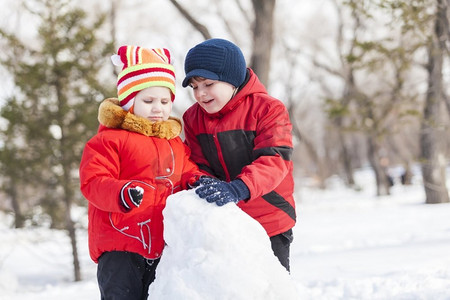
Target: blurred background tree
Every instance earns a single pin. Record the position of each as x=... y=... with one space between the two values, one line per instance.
x=52 y=114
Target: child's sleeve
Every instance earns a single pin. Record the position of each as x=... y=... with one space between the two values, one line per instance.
x=99 y=170
x=272 y=151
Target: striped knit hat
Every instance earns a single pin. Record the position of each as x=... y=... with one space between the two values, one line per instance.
x=142 y=68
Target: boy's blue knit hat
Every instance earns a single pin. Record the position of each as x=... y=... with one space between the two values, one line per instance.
x=216 y=59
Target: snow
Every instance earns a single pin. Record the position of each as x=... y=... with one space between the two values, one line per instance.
x=211 y=249
x=347 y=245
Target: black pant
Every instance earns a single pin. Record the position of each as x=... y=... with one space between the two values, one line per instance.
x=125 y=275
x=280 y=246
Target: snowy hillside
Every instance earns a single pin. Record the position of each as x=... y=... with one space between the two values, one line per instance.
x=347 y=245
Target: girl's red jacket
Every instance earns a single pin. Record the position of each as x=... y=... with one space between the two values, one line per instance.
x=249 y=139
x=132 y=149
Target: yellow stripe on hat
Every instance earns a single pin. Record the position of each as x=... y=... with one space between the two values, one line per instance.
x=130 y=51
x=136 y=87
x=151 y=81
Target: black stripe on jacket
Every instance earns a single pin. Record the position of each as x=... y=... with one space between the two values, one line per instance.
x=278 y=201
x=237 y=151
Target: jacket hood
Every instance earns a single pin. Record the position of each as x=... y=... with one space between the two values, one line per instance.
x=111 y=115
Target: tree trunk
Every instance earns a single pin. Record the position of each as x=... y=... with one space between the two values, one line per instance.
x=18 y=216
x=432 y=154
x=346 y=160
x=379 y=169
x=112 y=20
x=70 y=225
x=73 y=241
x=320 y=170
x=262 y=38
x=65 y=180
x=407 y=175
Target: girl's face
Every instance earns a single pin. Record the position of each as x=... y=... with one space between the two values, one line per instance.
x=153 y=103
x=212 y=95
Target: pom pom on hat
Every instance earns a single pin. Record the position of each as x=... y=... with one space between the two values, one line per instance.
x=142 y=68
x=216 y=59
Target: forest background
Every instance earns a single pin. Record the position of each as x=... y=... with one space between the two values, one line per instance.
x=365 y=83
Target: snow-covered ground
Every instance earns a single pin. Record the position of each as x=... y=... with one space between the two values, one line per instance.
x=347 y=245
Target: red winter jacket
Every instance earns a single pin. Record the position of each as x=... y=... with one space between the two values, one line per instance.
x=249 y=139
x=131 y=149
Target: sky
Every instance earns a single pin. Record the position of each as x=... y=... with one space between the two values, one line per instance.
x=347 y=245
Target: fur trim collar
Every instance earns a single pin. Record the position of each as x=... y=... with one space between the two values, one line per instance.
x=111 y=115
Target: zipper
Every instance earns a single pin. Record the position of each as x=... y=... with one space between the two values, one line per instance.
x=220 y=156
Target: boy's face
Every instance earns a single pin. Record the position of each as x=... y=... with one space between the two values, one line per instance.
x=212 y=95
x=153 y=103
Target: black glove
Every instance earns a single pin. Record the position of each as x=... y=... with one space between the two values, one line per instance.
x=221 y=192
x=131 y=196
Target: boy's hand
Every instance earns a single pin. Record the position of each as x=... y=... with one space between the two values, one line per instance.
x=195 y=182
x=221 y=192
x=131 y=196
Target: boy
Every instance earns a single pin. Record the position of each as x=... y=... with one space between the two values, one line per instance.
x=129 y=168
x=240 y=136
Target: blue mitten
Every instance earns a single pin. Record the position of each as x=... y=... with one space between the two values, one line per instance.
x=221 y=192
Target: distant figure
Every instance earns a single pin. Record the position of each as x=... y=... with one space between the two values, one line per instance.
x=406 y=177
x=390 y=180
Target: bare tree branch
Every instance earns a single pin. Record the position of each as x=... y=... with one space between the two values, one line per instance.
x=228 y=25
x=247 y=17
x=199 y=27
